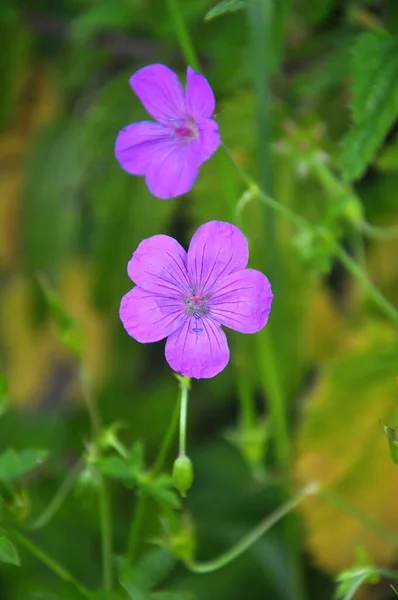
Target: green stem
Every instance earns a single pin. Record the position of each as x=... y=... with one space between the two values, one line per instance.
x=167 y=441
x=140 y=508
x=135 y=528
x=379 y=233
x=49 y=562
x=183 y=416
x=339 y=502
x=59 y=498
x=182 y=34
x=352 y=267
x=104 y=500
x=275 y=396
x=248 y=540
x=256 y=191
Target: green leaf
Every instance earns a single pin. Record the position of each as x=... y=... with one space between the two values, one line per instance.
x=350 y=581
x=149 y=572
x=224 y=7
x=116 y=467
x=69 y=333
x=14 y=465
x=136 y=456
x=161 y=490
x=8 y=553
x=375 y=100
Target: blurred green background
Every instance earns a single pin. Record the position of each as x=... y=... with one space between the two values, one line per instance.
x=69 y=212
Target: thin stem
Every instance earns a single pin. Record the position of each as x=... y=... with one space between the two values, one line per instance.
x=248 y=540
x=140 y=508
x=379 y=233
x=135 y=528
x=183 y=416
x=104 y=499
x=275 y=397
x=352 y=267
x=385 y=306
x=256 y=191
x=366 y=520
x=182 y=34
x=47 y=560
x=59 y=497
x=167 y=441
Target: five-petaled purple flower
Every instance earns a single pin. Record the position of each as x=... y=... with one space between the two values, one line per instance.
x=187 y=296
x=169 y=152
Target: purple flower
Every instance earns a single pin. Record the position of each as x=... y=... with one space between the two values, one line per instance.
x=187 y=296
x=170 y=151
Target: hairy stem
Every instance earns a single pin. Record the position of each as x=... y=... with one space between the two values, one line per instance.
x=104 y=499
x=248 y=540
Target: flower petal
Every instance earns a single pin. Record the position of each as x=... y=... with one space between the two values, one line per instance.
x=160 y=92
x=159 y=266
x=209 y=139
x=216 y=249
x=136 y=145
x=200 y=354
x=173 y=170
x=199 y=96
x=148 y=317
x=242 y=301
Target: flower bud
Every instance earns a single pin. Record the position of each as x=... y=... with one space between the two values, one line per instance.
x=182 y=474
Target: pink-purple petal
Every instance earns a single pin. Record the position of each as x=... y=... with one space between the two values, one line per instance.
x=173 y=170
x=198 y=354
x=160 y=92
x=242 y=301
x=148 y=317
x=199 y=96
x=137 y=144
x=209 y=138
x=217 y=249
x=159 y=266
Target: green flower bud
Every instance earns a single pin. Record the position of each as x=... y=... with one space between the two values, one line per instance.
x=182 y=474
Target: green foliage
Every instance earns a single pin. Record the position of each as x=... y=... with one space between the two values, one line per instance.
x=68 y=331
x=4 y=400
x=374 y=100
x=223 y=7
x=8 y=552
x=14 y=465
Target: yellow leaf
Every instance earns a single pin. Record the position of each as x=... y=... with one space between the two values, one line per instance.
x=341 y=445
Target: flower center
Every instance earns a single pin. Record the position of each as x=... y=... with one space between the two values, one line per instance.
x=183 y=130
x=196 y=306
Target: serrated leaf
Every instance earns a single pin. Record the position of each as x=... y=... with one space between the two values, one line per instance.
x=374 y=103
x=223 y=7
x=8 y=553
x=14 y=465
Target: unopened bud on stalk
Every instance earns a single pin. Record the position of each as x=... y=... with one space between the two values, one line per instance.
x=182 y=474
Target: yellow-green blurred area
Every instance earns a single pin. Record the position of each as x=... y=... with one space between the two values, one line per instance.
x=69 y=214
